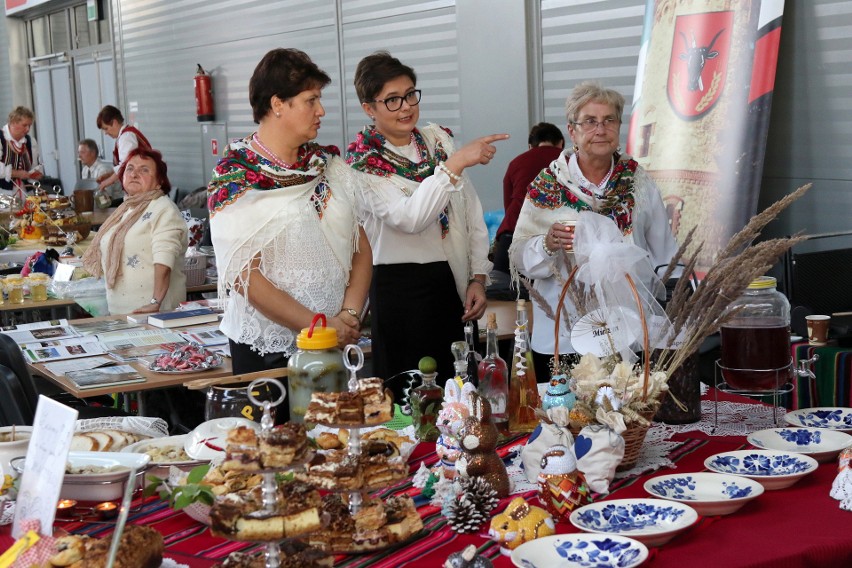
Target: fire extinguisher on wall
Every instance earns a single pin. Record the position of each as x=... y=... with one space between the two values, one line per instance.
x=203 y=96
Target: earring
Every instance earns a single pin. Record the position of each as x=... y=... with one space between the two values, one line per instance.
x=277 y=115
x=576 y=148
x=372 y=117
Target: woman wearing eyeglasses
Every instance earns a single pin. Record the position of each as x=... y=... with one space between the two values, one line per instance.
x=423 y=219
x=594 y=176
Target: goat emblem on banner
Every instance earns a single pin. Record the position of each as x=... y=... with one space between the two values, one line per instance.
x=699 y=62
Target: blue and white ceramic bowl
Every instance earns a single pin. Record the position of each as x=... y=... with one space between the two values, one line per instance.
x=818 y=443
x=650 y=521
x=580 y=550
x=828 y=417
x=773 y=469
x=710 y=494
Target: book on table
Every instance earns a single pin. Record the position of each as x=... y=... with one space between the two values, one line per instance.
x=183 y=317
x=105 y=377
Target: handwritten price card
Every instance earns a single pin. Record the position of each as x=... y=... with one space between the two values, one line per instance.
x=44 y=471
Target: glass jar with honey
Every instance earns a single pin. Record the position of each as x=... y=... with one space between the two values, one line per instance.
x=14 y=285
x=38 y=282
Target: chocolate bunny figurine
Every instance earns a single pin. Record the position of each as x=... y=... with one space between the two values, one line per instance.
x=478 y=441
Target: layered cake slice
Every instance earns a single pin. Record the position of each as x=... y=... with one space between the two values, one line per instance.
x=378 y=401
x=403 y=519
x=370 y=404
x=294 y=554
x=242 y=452
x=241 y=516
x=283 y=445
x=333 y=471
x=342 y=533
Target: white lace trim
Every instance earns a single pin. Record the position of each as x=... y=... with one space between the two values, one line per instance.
x=300 y=262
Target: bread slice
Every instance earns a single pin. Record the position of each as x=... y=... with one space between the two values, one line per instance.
x=84 y=443
x=119 y=439
x=104 y=440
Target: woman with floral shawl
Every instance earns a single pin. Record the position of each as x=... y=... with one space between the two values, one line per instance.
x=594 y=177
x=283 y=224
x=424 y=221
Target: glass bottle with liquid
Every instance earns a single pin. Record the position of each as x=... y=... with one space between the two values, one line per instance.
x=494 y=377
x=471 y=355
x=523 y=388
x=756 y=341
x=425 y=401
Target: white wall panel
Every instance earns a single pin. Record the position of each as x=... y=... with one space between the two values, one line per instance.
x=426 y=43
x=593 y=39
x=6 y=101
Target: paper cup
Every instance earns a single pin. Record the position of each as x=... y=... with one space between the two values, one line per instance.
x=818 y=329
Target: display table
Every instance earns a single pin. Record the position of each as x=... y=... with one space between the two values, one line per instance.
x=153 y=380
x=798 y=526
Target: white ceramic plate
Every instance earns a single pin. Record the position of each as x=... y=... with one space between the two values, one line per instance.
x=821 y=444
x=100 y=486
x=710 y=494
x=828 y=417
x=160 y=468
x=207 y=441
x=651 y=521
x=773 y=469
x=580 y=550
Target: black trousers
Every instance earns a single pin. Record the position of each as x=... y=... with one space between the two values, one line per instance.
x=501 y=252
x=415 y=312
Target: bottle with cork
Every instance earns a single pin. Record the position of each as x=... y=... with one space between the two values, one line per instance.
x=523 y=389
x=494 y=377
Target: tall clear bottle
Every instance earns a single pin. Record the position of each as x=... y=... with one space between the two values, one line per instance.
x=523 y=389
x=494 y=377
x=471 y=355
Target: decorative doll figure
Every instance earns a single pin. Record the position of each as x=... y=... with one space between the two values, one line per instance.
x=454 y=410
x=558 y=393
x=561 y=487
x=520 y=523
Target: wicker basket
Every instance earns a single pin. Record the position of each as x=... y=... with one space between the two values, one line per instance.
x=195 y=268
x=635 y=434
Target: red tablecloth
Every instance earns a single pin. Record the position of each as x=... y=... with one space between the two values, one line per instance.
x=799 y=526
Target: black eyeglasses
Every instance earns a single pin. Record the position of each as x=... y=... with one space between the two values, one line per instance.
x=393 y=104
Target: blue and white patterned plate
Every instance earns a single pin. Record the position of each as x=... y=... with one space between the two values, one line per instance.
x=828 y=417
x=818 y=443
x=773 y=469
x=650 y=521
x=580 y=550
x=710 y=494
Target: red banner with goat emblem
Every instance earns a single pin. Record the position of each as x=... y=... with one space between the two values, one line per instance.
x=699 y=62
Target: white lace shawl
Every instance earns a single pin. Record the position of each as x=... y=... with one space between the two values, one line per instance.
x=273 y=224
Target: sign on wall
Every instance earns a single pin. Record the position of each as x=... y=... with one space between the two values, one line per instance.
x=701 y=110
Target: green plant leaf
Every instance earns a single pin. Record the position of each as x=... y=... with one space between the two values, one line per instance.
x=197 y=473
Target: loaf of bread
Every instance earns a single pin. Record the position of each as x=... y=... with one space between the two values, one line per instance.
x=140 y=547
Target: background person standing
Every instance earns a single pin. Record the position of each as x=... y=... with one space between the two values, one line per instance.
x=19 y=154
x=545 y=144
x=127 y=139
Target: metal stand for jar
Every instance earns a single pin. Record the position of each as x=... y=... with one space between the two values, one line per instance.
x=269 y=489
x=782 y=385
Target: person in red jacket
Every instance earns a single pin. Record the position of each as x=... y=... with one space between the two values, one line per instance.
x=127 y=139
x=545 y=144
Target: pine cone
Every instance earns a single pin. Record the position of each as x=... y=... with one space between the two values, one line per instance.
x=480 y=492
x=463 y=516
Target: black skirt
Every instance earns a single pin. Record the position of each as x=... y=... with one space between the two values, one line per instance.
x=415 y=312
